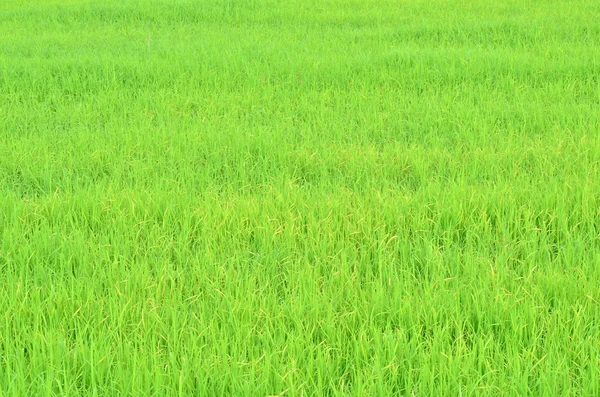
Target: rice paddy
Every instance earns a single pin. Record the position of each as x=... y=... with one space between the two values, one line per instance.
x=300 y=198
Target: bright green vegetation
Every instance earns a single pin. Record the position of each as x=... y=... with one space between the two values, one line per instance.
x=320 y=198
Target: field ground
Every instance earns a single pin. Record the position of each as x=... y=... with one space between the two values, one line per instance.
x=320 y=198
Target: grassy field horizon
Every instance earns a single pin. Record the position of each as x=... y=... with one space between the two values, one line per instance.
x=289 y=198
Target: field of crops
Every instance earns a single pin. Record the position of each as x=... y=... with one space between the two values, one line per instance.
x=300 y=198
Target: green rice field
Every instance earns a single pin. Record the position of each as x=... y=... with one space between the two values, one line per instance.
x=299 y=198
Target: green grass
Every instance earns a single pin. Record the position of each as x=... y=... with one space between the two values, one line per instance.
x=320 y=198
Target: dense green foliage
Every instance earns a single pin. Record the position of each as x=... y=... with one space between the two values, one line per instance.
x=260 y=197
